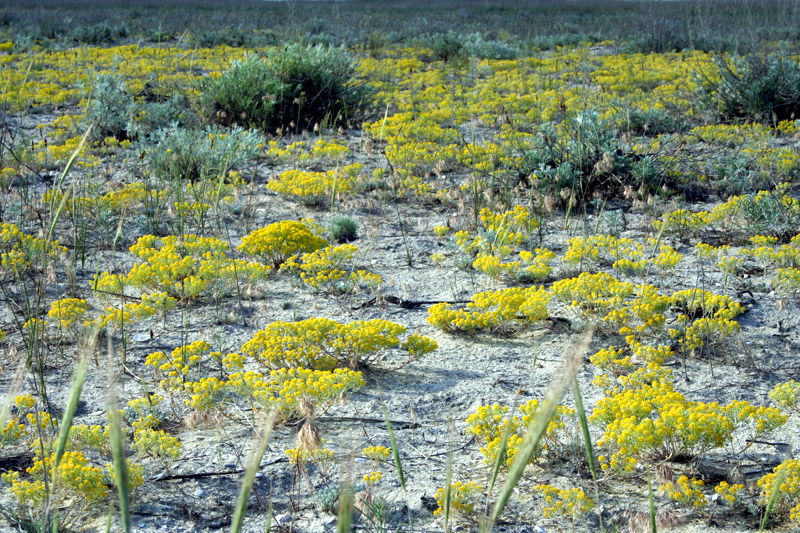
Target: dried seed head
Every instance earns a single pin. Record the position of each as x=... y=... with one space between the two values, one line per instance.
x=550 y=203
x=306 y=409
x=308 y=438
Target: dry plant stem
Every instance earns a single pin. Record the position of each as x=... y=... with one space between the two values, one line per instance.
x=573 y=355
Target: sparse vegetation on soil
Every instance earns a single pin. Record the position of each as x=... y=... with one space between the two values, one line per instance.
x=377 y=266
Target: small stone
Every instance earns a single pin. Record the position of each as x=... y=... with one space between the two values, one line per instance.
x=199 y=493
x=330 y=520
x=259 y=475
x=141 y=337
x=230 y=465
x=283 y=518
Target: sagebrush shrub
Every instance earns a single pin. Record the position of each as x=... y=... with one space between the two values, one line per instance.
x=293 y=88
x=756 y=87
x=111 y=107
x=180 y=154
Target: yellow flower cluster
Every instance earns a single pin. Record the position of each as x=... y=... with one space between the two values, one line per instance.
x=319 y=456
x=786 y=395
x=316 y=188
x=182 y=267
x=373 y=478
x=157 y=443
x=594 y=295
x=20 y=252
x=572 y=503
x=490 y=422
x=176 y=368
x=789 y=490
x=376 y=453
x=686 y=491
x=734 y=214
x=323 y=344
x=275 y=243
x=333 y=270
x=532 y=266
x=504 y=309
x=651 y=419
x=288 y=388
x=73 y=480
x=64 y=313
x=715 y=322
x=463 y=498
x=729 y=493
x=321 y=151
x=497 y=237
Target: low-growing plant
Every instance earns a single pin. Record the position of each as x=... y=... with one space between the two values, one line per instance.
x=491 y=423
x=276 y=243
x=324 y=344
x=333 y=270
x=344 y=229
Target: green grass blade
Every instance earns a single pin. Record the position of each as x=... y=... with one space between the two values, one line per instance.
x=587 y=444
x=117 y=441
x=587 y=438
x=269 y=510
x=344 y=517
x=78 y=378
x=398 y=466
x=501 y=452
x=253 y=463
x=448 y=479
x=395 y=451
x=773 y=496
x=121 y=477
x=653 y=526
x=67 y=168
x=538 y=426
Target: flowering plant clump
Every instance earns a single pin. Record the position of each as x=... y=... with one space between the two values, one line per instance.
x=64 y=313
x=504 y=309
x=78 y=483
x=324 y=344
x=463 y=499
x=275 y=243
x=593 y=294
x=571 y=503
x=184 y=268
x=705 y=318
x=686 y=491
x=624 y=255
x=316 y=188
x=291 y=390
x=21 y=253
x=730 y=494
x=497 y=237
x=789 y=491
x=787 y=395
x=333 y=270
x=490 y=422
x=651 y=420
